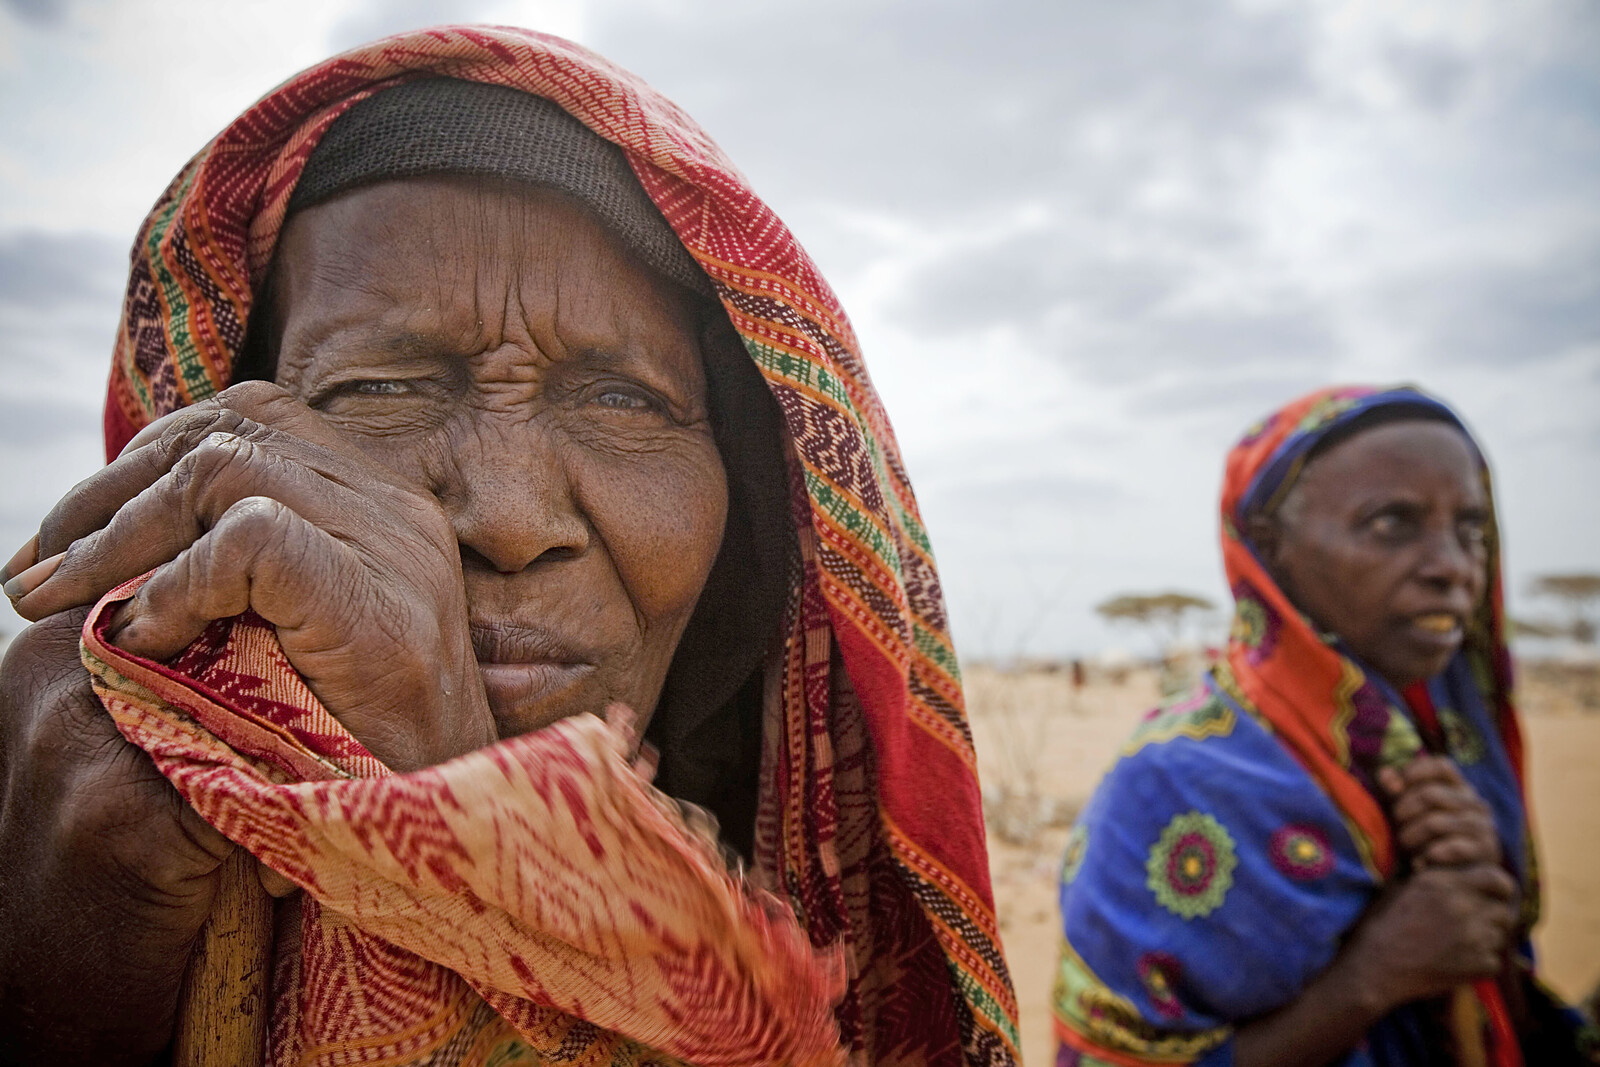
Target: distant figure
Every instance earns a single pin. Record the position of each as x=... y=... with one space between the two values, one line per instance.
x=1322 y=855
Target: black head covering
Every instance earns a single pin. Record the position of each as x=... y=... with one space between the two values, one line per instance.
x=449 y=126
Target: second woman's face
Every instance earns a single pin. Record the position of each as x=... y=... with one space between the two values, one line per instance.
x=495 y=345
x=1382 y=542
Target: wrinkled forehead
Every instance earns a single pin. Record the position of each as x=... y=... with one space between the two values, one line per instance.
x=454 y=262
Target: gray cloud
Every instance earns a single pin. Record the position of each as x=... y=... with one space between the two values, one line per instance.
x=43 y=272
x=947 y=106
x=1140 y=139
x=38 y=12
x=60 y=296
x=1507 y=314
x=40 y=422
x=1434 y=76
x=380 y=18
x=1054 y=489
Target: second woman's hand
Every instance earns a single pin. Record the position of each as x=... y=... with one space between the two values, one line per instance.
x=1433 y=931
x=1439 y=819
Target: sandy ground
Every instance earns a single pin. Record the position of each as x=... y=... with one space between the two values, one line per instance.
x=1031 y=728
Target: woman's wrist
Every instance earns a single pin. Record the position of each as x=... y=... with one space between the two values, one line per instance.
x=1327 y=1019
x=1362 y=982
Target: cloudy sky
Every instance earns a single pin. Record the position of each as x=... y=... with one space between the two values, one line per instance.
x=1084 y=244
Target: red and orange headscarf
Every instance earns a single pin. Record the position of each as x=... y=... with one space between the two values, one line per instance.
x=869 y=822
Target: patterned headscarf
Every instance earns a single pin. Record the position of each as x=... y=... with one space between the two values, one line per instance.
x=869 y=822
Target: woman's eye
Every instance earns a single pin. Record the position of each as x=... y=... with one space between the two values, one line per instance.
x=378 y=387
x=1395 y=525
x=1387 y=525
x=1473 y=532
x=619 y=400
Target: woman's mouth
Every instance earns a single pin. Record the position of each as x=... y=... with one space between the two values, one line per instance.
x=1438 y=627
x=518 y=692
x=525 y=671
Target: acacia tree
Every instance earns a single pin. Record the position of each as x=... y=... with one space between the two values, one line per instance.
x=1580 y=593
x=1164 y=612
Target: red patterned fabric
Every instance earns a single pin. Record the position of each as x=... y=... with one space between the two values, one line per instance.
x=869 y=823
x=538 y=877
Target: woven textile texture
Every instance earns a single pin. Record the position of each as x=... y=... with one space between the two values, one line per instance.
x=1237 y=840
x=869 y=825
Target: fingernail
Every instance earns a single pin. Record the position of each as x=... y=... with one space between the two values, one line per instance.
x=33 y=577
x=26 y=557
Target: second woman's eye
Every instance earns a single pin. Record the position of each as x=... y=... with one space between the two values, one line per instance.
x=1391 y=524
x=1473 y=532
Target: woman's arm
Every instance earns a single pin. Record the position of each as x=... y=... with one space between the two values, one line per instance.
x=1449 y=923
x=1425 y=936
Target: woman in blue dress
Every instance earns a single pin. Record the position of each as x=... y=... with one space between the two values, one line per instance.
x=1323 y=855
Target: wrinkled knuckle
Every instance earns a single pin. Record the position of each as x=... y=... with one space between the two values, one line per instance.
x=195 y=425
x=254 y=395
x=100 y=826
x=90 y=818
x=246 y=528
x=53 y=529
x=216 y=458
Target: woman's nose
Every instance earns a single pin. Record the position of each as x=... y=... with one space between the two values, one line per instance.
x=1449 y=563
x=514 y=505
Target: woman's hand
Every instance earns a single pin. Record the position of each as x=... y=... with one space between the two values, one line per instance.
x=252 y=500
x=1423 y=936
x=1450 y=921
x=106 y=875
x=249 y=501
x=1439 y=820
x=1435 y=930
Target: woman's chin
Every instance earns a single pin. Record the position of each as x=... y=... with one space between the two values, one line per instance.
x=1415 y=664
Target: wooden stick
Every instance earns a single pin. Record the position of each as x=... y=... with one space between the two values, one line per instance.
x=222 y=1012
x=1466 y=1023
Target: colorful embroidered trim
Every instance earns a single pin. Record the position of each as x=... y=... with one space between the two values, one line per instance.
x=1197 y=717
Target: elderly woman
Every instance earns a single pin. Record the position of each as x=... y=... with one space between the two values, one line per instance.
x=542 y=417
x=1324 y=856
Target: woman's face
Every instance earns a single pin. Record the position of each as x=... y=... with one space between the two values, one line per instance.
x=496 y=345
x=1382 y=542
